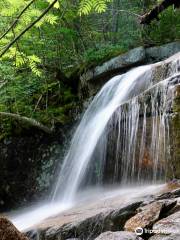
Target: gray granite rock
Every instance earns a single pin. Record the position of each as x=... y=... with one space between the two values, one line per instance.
x=93 y=79
x=155 y=54
x=134 y=56
x=128 y=59
x=168 y=225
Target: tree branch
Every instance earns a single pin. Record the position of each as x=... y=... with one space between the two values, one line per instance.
x=27 y=28
x=17 y=19
x=128 y=12
x=153 y=14
x=29 y=121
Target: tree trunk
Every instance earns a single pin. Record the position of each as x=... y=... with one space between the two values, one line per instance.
x=153 y=14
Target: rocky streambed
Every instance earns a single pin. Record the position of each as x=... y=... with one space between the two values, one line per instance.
x=150 y=214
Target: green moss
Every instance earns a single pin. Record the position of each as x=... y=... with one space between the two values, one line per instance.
x=95 y=57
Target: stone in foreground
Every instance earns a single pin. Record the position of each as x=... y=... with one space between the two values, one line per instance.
x=146 y=218
x=8 y=231
x=169 y=225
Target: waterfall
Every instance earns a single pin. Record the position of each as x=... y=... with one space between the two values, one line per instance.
x=118 y=104
x=118 y=90
x=123 y=139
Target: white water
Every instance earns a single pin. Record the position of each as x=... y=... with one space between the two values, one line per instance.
x=76 y=164
x=118 y=90
x=29 y=217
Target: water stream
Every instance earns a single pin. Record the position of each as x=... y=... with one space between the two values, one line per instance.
x=123 y=138
x=118 y=90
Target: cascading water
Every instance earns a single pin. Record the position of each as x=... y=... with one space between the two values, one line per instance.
x=140 y=129
x=115 y=92
x=134 y=161
x=123 y=137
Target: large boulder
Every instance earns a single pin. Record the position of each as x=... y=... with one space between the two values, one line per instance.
x=9 y=232
x=121 y=235
x=155 y=54
x=86 y=222
x=93 y=79
x=91 y=227
x=167 y=228
x=168 y=225
x=149 y=215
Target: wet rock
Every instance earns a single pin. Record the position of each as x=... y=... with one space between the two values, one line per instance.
x=146 y=218
x=168 y=225
x=8 y=231
x=33 y=235
x=167 y=195
x=90 y=227
x=93 y=79
x=121 y=235
x=167 y=205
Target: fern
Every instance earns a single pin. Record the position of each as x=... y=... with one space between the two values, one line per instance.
x=33 y=61
x=86 y=6
x=51 y=19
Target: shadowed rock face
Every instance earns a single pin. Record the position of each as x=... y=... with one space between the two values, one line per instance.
x=29 y=162
x=8 y=231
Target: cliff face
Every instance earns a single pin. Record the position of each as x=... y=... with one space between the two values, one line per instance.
x=29 y=165
x=143 y=134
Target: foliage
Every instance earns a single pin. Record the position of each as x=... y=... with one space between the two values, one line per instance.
x=167 y=29
x=86 y=6
x=95 y=56
x=73 y=33
x=44 y=98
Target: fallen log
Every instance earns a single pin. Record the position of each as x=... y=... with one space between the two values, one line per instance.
x=30 y=121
